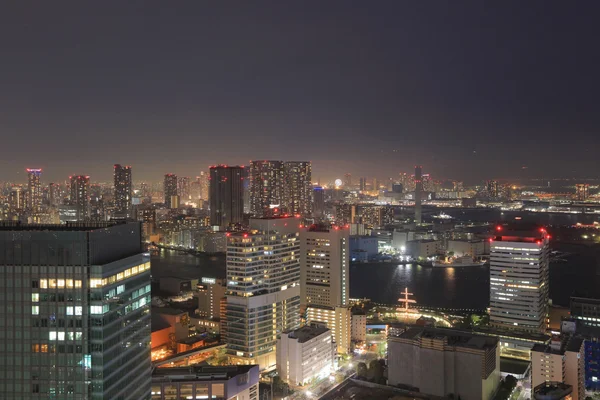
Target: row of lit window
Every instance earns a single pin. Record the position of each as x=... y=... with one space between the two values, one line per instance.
x=60 y=283
x=138 y=269
x=62 y=336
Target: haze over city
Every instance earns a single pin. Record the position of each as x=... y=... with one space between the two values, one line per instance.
x=471 y=90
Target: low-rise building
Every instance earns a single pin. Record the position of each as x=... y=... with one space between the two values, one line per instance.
x=238 y=382
x=210 y=292
x=338 y=319
x=561 y=361
x=423 y=248
x=363 y=248
x=304 y=354
x=440 y=361
x=174 y=285
x=359 y=327
x=474 y=248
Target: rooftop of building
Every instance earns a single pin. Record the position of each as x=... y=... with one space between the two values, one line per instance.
x=66 y=227
x=308 y=332
x=454 y=337
x=551 y=391
x=167 y=311
x=526 y=233
x=513 y=334
x=568 y=343
x=202 y=373
x=585 y=300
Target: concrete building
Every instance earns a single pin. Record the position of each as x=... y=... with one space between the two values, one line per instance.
x=266 y=186
x=210 y=293
x=474 y=248
x=123 y=191
x=442 y=361
x=263 y=288
x=519 y=280
x=34 y=190
x=561 y=361
x=423 y=248
x=206 y=382
x=297 y=188
x=79 y=306
x=226 y=195
x=358 y=330
x=338 y=320
x=80 y=196
x=170 y=190
x=305 y=354
x=174 y=285
x=214 y=242
x=324 y=266
x=318 y=202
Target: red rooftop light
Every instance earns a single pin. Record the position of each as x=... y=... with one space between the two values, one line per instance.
x=498 y=228
x=245 y=235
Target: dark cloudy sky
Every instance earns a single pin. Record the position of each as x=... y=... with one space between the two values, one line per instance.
x=469 y=89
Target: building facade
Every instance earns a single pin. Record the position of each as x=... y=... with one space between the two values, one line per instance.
x=34 y=190
x=263 y=288
x=75 y=312
x=266 y=186
x=80 y=196
x=170 y=191
x=305 y=354
x=519 y=280
x=226 y=195
x=206 y=382
x=325 y=263
x=210 y=293
x=338 y=320
x=297 y=185
x=561 y=361
x=123 y=190
x=442 y=361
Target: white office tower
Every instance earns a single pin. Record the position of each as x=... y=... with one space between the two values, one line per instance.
x=305 y=354
x=263 y=288
x=519 y=279
x=324 y=271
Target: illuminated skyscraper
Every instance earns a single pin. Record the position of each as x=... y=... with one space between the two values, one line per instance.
x=266 y=186
x=324 y=266
x=123 y=191
x=204 y=185
x=226 y=195
x=80 y=187
x=34 y=190
x=183 y=188
x=54 y=195
x=16 y=202
x=418 y=193
x=519 y=279
x=80 y=319
x=298 y=188
x=319 y=202
x=363 y=184
x=263 y=288
x=170 y=189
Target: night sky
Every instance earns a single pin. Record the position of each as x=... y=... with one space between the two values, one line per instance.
x=469 y=89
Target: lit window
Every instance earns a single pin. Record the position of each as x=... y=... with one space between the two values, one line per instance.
x=35 y=297
x=78 y=310
x=78 y=335
x=60 y=283
x=69 y=310
x=44 y=283
x=69 y=283
x=119 y=276
x=52 y=335
x=77 y=284
x=61 y=336
x=95 y=283
x=70 y=335
x=35 y=310
x=52 y=283
x=95 y=309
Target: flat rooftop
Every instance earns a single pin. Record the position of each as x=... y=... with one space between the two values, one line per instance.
x=552 y=390
x=571 y=344
x=203 y=373
x=454 y=337
x=67 y=227
x=308 y=332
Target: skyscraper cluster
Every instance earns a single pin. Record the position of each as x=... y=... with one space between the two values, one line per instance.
x=282 y=186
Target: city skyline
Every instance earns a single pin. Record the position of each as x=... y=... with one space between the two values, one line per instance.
x=365 y=93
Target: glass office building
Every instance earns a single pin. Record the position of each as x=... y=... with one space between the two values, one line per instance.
x=74 y=312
